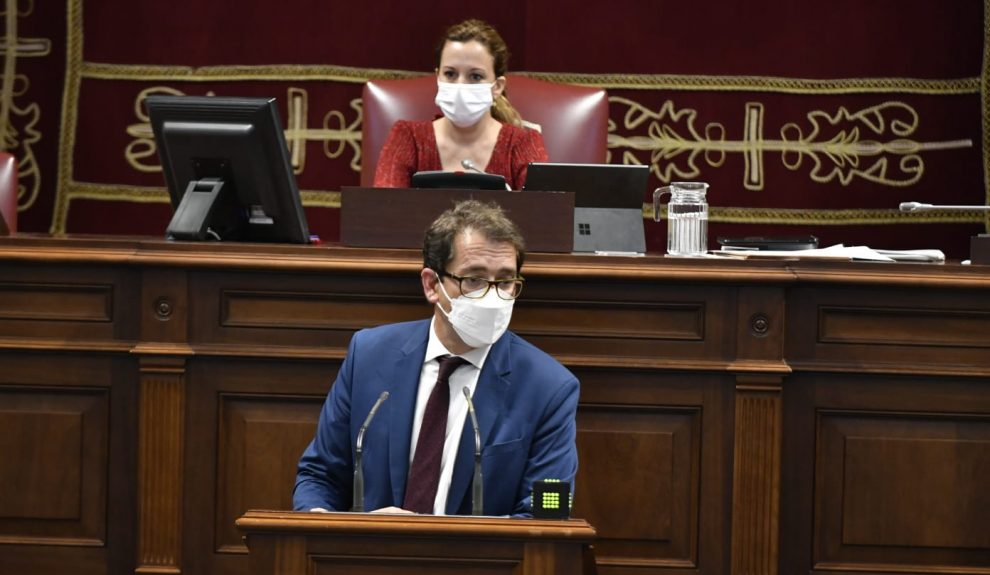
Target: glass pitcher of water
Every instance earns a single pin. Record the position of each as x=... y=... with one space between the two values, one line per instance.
x=687 y=217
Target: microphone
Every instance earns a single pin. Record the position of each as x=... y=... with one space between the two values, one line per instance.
x=919 y=207
x=358 y=471
x=477 y=495
x=469 y=165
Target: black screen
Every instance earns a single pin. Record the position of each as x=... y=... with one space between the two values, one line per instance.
x=227 y=168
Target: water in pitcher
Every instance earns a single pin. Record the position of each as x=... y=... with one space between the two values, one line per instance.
x=687 y=218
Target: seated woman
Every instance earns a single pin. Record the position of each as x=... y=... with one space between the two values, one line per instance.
x=478 y=123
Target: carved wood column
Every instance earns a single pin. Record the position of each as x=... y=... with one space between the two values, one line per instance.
x=162 y=362
x=756 y=478
x=760 y=371
x=160 y=463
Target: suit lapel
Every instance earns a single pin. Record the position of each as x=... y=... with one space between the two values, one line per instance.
x=404 y=373
x=489 y=400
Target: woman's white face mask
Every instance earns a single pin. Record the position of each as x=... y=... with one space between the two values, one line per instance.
x=464 y=104
x=479 y=321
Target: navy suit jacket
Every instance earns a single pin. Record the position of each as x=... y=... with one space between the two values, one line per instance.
x=526 y=404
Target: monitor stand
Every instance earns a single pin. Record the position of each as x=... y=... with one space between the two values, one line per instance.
x=195 y=212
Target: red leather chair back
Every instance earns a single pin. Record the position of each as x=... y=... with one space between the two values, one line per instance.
x=573 y=119
x=8 y=193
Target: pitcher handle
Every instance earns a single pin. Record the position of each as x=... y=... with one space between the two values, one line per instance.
x=657 y=194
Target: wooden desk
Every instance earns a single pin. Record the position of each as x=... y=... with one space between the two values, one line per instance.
x=743 y=417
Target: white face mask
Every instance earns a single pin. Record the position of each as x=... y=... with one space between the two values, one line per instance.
x=479 y=321
x=464 y=104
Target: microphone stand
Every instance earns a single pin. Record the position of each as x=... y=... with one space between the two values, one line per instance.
x=979 y=245
x=477 y=493
x=919 y=207
x=358 y=470
x=469 y=165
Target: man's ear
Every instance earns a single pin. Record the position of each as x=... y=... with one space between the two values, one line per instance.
x=430 y=280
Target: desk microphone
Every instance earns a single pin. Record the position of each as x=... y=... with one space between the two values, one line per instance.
x=477 y=495
x=358 y=470
x=469 y=165
x=919 y=207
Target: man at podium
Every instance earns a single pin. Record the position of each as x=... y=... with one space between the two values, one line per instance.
x=402 y=400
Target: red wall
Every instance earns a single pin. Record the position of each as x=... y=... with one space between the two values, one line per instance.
x=906 y=72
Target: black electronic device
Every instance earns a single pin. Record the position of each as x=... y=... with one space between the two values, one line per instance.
x=465 y=180
x=770 y=243
x=594 y=185
x=608 y=203
x=227 y=168
x=551 y=499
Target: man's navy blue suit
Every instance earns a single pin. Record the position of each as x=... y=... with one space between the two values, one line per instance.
x=525 y=400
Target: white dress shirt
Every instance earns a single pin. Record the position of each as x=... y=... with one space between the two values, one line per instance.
x=464 y=376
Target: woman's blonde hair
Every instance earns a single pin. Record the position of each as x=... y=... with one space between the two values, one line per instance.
x=488 y=37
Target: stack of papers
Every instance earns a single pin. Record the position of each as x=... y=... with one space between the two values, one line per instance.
x=839 y=252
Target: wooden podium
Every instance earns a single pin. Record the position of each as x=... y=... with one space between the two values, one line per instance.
x=290 y=543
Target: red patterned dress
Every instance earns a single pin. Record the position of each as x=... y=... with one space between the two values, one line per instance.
x=412 y=147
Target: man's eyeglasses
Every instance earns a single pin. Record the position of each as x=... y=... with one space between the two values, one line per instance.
x=477 y=288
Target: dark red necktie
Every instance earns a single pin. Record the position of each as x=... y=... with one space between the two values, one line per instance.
x=424 y=474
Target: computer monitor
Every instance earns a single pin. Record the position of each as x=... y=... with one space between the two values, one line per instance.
x=594 y=185
x=608 y=203
x=227 y=167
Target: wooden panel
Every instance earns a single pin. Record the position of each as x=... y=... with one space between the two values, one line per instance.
x=318 y=313
x=249 y=421
x=604 y=319
x=649 y=322
x=67 y=306
x=643 y=440
x=885 y=473
x=870 y=464
x=50 y=436
x=329 y=311
x=63 y=504
x=261 y=440
x=944 y=478
x=375 y=565
x=49 y=302
x=644 y=437
x=650 y=517
x=893 y=326
x=88 y=461
x=914 y=330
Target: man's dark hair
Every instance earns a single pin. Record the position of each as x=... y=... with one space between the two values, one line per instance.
x=486 y=219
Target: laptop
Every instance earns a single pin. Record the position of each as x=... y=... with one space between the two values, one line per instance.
x=608 y=202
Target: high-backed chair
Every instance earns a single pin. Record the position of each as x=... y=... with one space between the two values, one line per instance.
x=572 y=119
x=8 y=193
